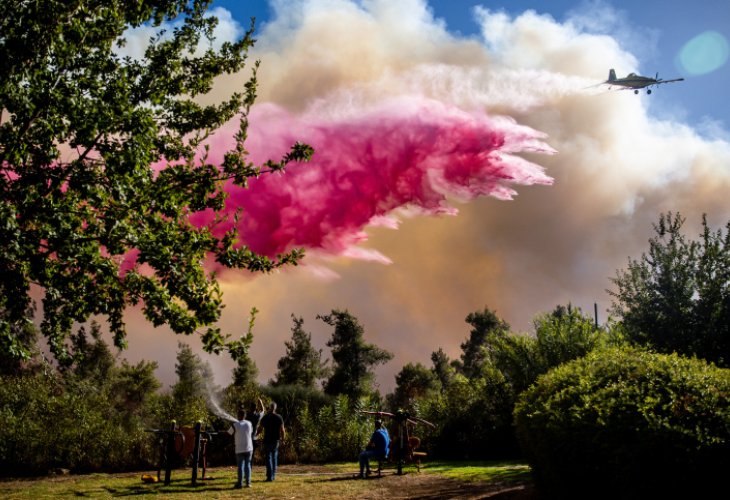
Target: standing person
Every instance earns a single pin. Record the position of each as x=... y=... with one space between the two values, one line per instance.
x=377 y=448
x=241 y=431
x=273 y=426
x=254 y=417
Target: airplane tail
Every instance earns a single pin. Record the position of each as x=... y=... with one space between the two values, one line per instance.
x=611 y=75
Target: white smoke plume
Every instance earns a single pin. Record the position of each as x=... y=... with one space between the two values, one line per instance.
x=617 y=168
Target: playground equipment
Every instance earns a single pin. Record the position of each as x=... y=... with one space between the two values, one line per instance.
x=177 y=444
x=403 y=445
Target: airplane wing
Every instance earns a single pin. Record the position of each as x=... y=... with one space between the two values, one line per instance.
x=605 y=86
x=612 y=87
x=670 y=81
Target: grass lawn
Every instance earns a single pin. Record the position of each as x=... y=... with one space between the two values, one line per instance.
x=505 y=472
x=436 y=480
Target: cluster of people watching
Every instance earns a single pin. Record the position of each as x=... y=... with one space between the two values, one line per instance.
x=252 y=423
x=246 y=431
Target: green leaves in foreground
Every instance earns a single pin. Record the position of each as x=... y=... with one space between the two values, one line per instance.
x=86 y=222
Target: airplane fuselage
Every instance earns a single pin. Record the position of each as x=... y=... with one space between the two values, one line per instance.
x=636 y=82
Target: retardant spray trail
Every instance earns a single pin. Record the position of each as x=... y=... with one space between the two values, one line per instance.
x=406 y=153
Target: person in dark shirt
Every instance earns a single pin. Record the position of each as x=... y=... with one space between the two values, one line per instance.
x=254 y=415
x=272 y=426
x=377 y=448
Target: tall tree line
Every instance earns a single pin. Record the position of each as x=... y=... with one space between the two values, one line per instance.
x=470 y=399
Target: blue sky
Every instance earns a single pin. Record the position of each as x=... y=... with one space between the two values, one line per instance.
x=653 y=30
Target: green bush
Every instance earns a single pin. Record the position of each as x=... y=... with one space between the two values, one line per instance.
x=625 y=423
x=473 y=420
x=295 y=403
x=48 y=425
x=336 y=432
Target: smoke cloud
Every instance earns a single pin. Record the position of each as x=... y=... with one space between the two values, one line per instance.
x=404 y=113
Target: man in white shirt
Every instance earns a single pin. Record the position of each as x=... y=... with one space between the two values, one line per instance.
x=241 y=431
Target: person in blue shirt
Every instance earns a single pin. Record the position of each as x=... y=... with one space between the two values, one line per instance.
x=377 y=448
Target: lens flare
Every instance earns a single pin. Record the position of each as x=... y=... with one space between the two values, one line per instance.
x=704 y=53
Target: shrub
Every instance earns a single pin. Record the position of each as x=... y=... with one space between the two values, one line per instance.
x=625 y=423
x=48 y=425
x=335 y=432
x=294 y=403
x=473 y=420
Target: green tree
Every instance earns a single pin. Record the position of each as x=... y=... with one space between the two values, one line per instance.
x=486 y=326
x=474 y=414
x=676 y=297
x=352 y=357
x=194 y=381
x=563 y=335
x=442 y=368
x=302 y=364
x=135 y=386
x=245 y=373
x=89 y=359
x=81 y=128
x=413 y=382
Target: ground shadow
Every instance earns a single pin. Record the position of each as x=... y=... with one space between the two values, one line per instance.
x=181 y=486
x=349 y=477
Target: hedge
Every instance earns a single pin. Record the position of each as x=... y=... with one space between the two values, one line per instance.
x=626 y=423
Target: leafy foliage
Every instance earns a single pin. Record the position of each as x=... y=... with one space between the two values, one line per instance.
x=472 y=419
x=246 y=371
x=334 y=432
x=88 y=359
x=353 y=358
x=83 y=425
x=486 y=325
x=413 y=382
x=18 y=349
x=190 y=393
x=639 y=424
x=442 y=368
x=474 y=414
x=84 y=215
x=560 y=336
x=676 y=298
x=302 y=364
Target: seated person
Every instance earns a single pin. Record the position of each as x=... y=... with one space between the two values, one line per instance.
x=377 y=448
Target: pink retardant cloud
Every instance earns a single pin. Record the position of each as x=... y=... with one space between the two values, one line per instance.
x=410 y=153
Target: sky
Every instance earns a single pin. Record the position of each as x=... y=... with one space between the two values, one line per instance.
x=482 y=166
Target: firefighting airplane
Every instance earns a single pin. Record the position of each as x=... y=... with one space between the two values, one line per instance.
x=636 y=82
